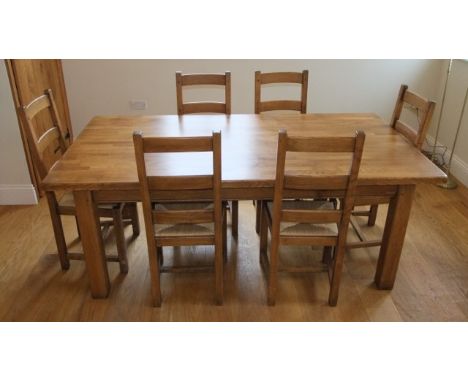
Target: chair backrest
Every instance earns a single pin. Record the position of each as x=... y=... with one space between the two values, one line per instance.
x=424 y=109
x=187 y=183
x=39 y=144
x=331 y=185
x=276 y=78
x=203 y=79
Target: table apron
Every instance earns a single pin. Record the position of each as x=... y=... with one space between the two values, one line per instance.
x=364 y=194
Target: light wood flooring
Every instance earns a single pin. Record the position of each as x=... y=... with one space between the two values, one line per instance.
x=431 y=285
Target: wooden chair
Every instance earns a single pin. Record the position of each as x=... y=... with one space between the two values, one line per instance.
x=424 y=110
x=53 y=140
x=183 y=80
x=203 y=79
x=262 y=106
x=276 y=78
x=310 y=222
x=181 y=223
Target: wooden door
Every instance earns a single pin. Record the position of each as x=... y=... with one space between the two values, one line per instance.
x=28 y=80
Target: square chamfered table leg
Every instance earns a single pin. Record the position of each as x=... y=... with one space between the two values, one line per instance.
x=393 y=237
x=93 y=246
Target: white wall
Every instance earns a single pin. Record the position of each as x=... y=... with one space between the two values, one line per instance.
x=15 y=183
x=456 y=89
x=106 y=86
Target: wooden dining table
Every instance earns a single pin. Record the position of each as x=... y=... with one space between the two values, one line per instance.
x=100 y=167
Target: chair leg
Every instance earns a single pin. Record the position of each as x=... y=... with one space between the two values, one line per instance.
x=219 y=265
x=155 y=272
x=159 y=253
x=133 y=212
x=372 y=215
x=78 y=227
x=273 y=271
x=225 y=235
x=326 y=255
x=58 y=231
x=263 y=235
x=337 y=266
x=235 y=218
x=258 y=206
x=120 y=238
x=219 y=275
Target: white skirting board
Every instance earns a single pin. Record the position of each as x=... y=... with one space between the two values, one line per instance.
x=459 y=168
x=15 y=194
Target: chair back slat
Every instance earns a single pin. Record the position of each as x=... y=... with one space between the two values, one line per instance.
x=424 y=109
x=406 y=130
x=278 y=78
x=281 y=77
x=308 y=216
x=35 y=106
x=192 y=182
x=53 y=135
x=200 y=194
x=203 y=79
x=205 y=107
x=321 y=144
x=177 y=144
x=325 y=182
x=281 y=105
x=47 y=138
x=185 y=216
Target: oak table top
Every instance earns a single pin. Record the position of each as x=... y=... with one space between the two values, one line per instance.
x=102 y=157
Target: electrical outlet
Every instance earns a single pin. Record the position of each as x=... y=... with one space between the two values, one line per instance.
x=138 y=104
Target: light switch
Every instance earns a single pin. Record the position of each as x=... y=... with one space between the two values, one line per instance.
x=138 y=104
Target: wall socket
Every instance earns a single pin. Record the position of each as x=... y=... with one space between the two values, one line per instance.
x=138 y=104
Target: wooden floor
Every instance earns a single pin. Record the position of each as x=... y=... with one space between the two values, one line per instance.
x=432 y=283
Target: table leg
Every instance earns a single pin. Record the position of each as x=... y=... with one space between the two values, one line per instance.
x=394 y=236
x=93 y=246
